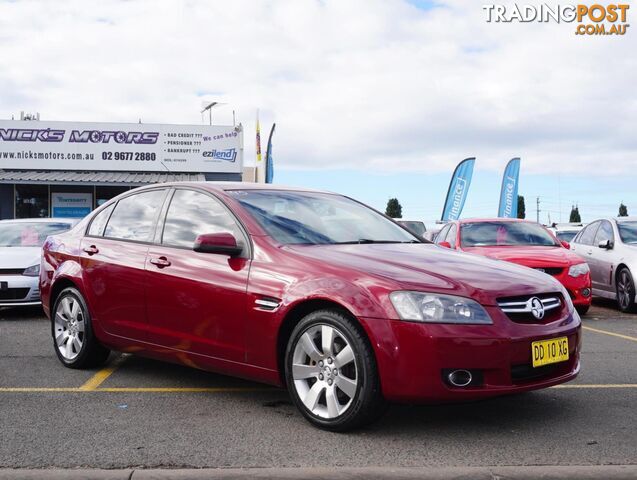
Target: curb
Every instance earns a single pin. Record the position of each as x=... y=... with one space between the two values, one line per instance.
x=594 y=472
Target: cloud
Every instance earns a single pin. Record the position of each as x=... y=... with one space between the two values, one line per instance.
x=378 y=85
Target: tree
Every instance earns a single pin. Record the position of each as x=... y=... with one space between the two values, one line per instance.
x=521 y=207
x=575 y=217
x=623 y=210
x=394 y=209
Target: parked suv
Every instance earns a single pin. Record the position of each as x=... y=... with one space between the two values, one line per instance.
x=609 y=245
x=310 y=290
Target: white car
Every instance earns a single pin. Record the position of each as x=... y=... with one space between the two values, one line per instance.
x=20 y=246
x=566 y=231
x=609 y=246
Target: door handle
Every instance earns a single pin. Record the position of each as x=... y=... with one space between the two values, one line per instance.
x=92 y=250
x=161 y=262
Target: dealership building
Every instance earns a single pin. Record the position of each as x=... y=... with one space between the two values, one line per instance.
x=66 y=169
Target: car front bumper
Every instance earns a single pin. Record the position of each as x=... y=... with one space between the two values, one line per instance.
x=414 y=358
x=19 y=291
x=579 y=288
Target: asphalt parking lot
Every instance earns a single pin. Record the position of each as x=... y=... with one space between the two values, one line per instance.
x=138 y=412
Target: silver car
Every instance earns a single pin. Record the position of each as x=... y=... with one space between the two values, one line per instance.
x=20 y=250
x=609 y=246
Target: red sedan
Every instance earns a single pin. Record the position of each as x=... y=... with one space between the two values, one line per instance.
x=309 y=290
x=525 y=243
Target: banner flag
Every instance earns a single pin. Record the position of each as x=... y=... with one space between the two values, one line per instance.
x=269 y=165
x=258 y=139
x=458 y=189
x=509 y=192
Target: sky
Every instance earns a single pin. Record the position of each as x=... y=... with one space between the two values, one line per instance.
x=372 y=98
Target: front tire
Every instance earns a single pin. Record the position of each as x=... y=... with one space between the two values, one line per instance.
x=625 y=287
x=331 y=372
x=582 y=310
x=73 y=339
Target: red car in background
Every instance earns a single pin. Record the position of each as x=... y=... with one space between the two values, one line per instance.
x=525 y=243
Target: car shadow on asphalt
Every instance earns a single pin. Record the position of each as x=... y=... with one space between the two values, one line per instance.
x=22 y=313
x=510 y=412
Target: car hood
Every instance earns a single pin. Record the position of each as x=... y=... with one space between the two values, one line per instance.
x=530 y=256
x=19 y=257
x=426 y=267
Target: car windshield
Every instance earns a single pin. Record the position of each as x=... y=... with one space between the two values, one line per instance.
x=491 y=234
x=566 y=236
x=319 y=218
x=28 y=234
x=628 y=232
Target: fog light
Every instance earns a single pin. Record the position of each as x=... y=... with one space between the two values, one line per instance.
x=586 y=292
x=461 y=377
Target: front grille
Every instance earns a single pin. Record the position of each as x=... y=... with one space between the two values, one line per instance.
x=526 y=373
x=554 y=271
x=542 y=308
x=11 y=271
x=14 y=293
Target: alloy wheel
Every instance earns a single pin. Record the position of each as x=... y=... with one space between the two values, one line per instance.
x=324 y=371
x=69 y=327
x=624 y=289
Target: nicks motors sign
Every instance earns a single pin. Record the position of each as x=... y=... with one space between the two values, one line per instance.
x=119 y=146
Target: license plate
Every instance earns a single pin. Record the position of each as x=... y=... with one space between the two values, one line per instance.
x=545 y=352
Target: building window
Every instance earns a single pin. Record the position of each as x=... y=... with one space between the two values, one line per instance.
x=104 y=194
x=31 y=201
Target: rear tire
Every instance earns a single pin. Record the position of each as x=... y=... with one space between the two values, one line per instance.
x=331 y=372
x=73 y=339
x=625 y=288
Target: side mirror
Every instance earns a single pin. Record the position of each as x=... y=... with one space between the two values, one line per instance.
x=444 y=244
x=607 y=245
x=221 y=243
x=565 y=244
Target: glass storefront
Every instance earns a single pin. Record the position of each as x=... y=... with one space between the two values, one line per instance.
x=40 y=201
x=104 y=194
x=31 y=201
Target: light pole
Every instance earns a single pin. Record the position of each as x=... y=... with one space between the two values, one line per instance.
x=209 y=107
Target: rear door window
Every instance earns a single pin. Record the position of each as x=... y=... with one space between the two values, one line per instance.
x=99 y=222
x=135 y=216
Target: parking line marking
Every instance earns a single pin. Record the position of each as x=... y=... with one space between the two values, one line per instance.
x=581 y=386
x=599 y=385
x=139 y=390
x=184 y=389
x=613 y=334
x=36 y=389
x=101 y=376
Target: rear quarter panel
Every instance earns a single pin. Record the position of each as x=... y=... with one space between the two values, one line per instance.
x=60 y=254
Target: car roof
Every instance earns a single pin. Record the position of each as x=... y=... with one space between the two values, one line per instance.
x=215 y=186
x=494 y=219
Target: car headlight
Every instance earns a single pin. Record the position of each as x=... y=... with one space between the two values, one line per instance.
x=578 y=270
x=435 y=308
x=32 y=271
